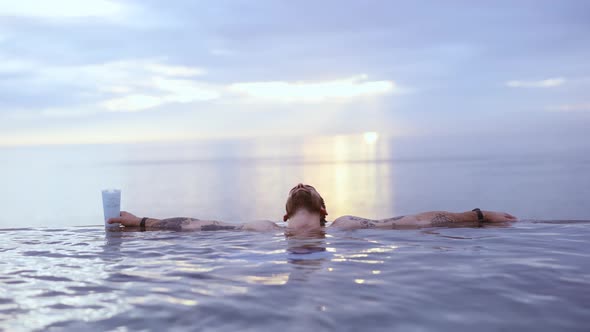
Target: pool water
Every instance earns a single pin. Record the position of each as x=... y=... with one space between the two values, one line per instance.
x=528 y=276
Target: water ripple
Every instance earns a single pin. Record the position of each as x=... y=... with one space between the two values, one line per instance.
x=443 y=279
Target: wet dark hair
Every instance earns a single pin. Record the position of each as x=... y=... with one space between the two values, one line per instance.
x=323 y=220
x=308 y=201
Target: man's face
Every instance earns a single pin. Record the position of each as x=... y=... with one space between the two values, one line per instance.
x=304 y=196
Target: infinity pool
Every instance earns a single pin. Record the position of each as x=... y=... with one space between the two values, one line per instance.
x=532 y=275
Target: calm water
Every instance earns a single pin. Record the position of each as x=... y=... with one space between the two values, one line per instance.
x=249 y=179
x=60 y=271
x=532 y=276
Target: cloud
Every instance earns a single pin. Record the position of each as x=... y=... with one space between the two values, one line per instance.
x=73 y=63
x=145 y=84
x=169 y=90
x=185 y=91
x=68 y=112
x=133 y=103
x=166 y=90
x=168 y=70
x=583 y=107
x=548 y=83
x=132 y=72
x=135 y=85
x=124 y=85
x=61 y=8
x=140 y=84
x=13 y=65
x=342 y=89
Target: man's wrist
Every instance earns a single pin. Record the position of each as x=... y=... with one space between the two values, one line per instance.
x=479 y=216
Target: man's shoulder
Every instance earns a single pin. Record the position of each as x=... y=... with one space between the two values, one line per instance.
x=260 y=225
x=344 y=218
x=346 y=222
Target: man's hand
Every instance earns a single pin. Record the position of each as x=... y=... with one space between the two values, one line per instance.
x=126 y=219
x=491 y=216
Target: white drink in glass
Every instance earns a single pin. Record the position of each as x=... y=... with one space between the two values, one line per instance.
x=111 y=205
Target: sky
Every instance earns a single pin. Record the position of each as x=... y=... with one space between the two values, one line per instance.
x=101 y=71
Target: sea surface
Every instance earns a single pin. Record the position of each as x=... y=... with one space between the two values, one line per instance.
x=241 y=180
x=59 y=269
x=532 y=276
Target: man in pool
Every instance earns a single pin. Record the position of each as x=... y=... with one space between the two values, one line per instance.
x=306 y=214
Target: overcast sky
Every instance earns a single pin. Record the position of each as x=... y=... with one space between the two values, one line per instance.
x=108 y=71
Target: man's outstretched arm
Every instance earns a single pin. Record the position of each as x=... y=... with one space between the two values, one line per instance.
x=427 y=219
x=189 y=224
x=180 y=223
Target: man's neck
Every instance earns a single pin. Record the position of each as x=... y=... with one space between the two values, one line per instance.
x=304 y=221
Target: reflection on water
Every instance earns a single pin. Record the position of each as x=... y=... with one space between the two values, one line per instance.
x=485 y=278
x=249 y=179
x=353 y=180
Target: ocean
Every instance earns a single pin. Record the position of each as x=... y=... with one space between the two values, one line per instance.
x=240 y=180
x=61 y=271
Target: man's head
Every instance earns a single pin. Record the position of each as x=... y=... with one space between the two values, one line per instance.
x=305 y=197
